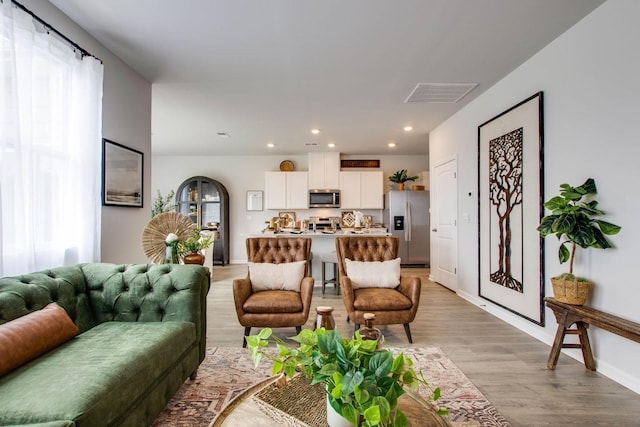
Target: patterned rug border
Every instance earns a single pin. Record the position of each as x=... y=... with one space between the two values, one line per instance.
x=227 y=371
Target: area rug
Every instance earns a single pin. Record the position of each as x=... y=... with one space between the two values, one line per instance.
x=227 y=371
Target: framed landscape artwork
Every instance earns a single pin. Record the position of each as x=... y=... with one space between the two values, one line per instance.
x=122 y=173
x=510 y=206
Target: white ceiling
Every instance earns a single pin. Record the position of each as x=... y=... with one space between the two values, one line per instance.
x=271 y=70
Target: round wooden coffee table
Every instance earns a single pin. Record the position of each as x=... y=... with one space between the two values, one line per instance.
x=249 y=409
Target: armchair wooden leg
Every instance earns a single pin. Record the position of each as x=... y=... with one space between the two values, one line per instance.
x=193 y=375
x=407 y=330
x=298 y=329
x=247 y=331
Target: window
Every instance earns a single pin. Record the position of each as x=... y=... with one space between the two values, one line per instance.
x=50 y=147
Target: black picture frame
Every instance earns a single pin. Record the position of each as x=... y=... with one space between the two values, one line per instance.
x=122 y=175
x=510 y=207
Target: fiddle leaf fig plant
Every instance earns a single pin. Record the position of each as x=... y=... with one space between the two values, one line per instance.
x=361 y=381
x=573 y=221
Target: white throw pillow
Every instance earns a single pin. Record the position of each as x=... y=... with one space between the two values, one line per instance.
x=373 y=274
x=284 y=276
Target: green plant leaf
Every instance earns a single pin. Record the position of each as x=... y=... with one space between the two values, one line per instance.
x=546 y=225
x=400 y=420
x=563 y=253
x=381 y=363
x=556 y=203
x=608 y=228
x=589 y=186
x=350 y=380
x=383 y=404
x=372 y=415
x=349 y=413
x=563 y=224
x=601 y=242
x=582 y=234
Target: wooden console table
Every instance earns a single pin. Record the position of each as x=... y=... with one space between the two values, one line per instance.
x=583 y=316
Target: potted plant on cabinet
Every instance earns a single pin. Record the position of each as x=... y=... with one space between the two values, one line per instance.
x=363 y=383
x=190 y=248
x=400 y=177
x=572 y=222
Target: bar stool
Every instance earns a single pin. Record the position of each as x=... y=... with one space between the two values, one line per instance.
x=330 y=258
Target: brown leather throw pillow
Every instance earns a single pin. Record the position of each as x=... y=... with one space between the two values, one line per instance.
x=29 y=336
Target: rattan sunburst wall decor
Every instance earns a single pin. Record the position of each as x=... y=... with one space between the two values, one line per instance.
x=156 y=231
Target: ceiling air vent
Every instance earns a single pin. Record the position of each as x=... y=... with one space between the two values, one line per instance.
x=223 y=135
x=440 y=93
x=311 y=144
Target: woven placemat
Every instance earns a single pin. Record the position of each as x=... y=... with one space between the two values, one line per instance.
x=299 y=399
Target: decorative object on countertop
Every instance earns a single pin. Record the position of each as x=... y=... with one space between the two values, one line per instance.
x=573 y=220
x=347 y=219
x=286 y=166
x=287 y=219
x=157 y=230
x=163 y=204
x=362 y=383
x=400 y=177
x=190 y=248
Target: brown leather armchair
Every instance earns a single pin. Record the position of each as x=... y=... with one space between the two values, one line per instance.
x=274 y=308
x=391 y=306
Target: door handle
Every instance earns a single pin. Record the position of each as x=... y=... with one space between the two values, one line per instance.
x=435 y=230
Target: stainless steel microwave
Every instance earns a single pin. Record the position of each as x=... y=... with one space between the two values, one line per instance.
x=324 y=198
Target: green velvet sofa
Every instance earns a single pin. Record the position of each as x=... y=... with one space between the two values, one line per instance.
x=141 y=334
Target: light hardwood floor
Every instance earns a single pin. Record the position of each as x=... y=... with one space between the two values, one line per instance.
x=507 y=365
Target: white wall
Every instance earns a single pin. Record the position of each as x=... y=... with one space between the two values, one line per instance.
x=240 y=174
x=589 y=76
x=126 y=119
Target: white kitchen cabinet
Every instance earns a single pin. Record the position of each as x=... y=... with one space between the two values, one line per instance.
x=286 y=190
x=324 y=171
x=361 y=190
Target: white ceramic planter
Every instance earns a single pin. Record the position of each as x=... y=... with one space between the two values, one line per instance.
x=334 y=419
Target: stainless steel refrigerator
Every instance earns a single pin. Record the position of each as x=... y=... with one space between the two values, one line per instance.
x=409 y=220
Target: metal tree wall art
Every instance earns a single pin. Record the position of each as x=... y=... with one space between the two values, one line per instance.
x=510 y=183
x=505 y=192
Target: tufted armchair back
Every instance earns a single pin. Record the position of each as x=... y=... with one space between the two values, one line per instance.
x=277 y=250
x=365 y=248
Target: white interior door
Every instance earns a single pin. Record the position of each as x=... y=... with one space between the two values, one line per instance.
x=444 y=233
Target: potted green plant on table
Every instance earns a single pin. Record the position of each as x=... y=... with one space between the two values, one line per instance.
x=572 y=222
x=363 y=383
x=190 y=248
x=400 y=177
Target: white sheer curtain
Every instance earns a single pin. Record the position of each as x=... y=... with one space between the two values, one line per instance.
x=50 y=149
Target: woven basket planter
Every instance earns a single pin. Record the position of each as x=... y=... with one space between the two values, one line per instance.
x=569 y=290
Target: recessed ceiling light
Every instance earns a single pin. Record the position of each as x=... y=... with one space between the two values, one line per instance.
x=408 y=128
x=391 y=144
x=315 y=131
x=270 y=145
x=331 y=145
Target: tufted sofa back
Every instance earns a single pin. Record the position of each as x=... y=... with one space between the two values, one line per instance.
x=99 y=292
x=365 y=248
x=277 y=250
